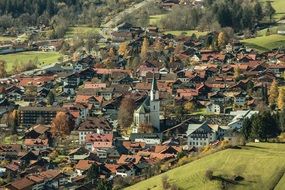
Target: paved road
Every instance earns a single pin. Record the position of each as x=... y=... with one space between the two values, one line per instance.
x=110 y=25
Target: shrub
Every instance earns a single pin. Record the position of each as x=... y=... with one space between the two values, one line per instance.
x=165 y=182
x=209 y=174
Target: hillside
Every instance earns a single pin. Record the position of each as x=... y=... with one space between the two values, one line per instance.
x=265 y=43
x=259 y=164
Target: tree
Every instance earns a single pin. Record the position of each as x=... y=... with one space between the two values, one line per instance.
x=269 y=10
x=189 y=107
x=281 y=99
x=273 y=93
x=123 y=48
x=158 y=45
x=50 y=98
x=3 y=72
x=144 y=49
x=246 y=128
x=91 y=40
x=12 y=121
x=221 y=40
x=61 y=125
x=179 y=112
x=282 y=120
x=111 y=53
x=93 y=172
x=264 y=125
x=125 y=114
x=237 y=73
x=258 y=10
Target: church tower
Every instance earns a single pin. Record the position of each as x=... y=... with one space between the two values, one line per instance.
x=154 y=105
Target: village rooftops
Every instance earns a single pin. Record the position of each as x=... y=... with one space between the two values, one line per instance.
x=93 y=123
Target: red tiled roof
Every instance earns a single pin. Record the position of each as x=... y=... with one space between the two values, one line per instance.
x=125 y=159
x=22 y=184
x=84 y=164
x=36 y=142
x=85 y=98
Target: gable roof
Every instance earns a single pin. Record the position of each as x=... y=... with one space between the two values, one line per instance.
x=193 y=127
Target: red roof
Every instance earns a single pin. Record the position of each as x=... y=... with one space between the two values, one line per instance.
x=84 y=98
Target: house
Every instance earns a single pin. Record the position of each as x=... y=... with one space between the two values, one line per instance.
x=83 y=166
x=125 y=170
x=128 y=159
x=239 y=117
x=79 y=111
x=98 y=141
x=37 y=131
x=92 y=125
x=147 y=138
x=216 y=108
x=199 y=135
x=10 y=151
x=134 y=146
x=240 y=99
x=36 y=144
x=77 y=154
x=21 y=184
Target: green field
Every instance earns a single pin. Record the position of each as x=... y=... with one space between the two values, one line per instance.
x=154 y=19
x=261 y=165
x=79 y=30
x=45 y=58
x=265 y=43
x=186 y=32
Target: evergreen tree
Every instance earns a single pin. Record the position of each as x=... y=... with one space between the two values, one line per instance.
x=246 y=128
x=50 y=98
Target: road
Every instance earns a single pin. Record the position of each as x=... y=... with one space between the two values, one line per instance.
x=110 y=25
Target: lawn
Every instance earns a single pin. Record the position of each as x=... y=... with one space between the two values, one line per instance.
x=259 y=164
x=45 y=58
x=265 y=43
x=186 y=32
x=79 y=30
x=154 y=19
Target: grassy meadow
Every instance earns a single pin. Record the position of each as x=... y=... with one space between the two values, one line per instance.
x=185 y=32
x=154 y=19
x=44 y=58
x=260 y=164
x=265 y=43
x=79 y=30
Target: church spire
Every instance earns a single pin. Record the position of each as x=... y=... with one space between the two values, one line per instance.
x=154 y=84
x=154 y=94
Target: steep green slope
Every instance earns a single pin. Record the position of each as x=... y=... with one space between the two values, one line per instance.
x=261 y=166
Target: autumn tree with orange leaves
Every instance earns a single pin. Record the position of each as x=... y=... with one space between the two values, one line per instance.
x=126 y=111
x=61 y=125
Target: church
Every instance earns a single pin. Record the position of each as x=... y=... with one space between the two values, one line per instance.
x=148 y=112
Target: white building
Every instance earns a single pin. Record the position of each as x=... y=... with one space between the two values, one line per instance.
x=237 y=121
x=149 y=111
x=200 y=135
